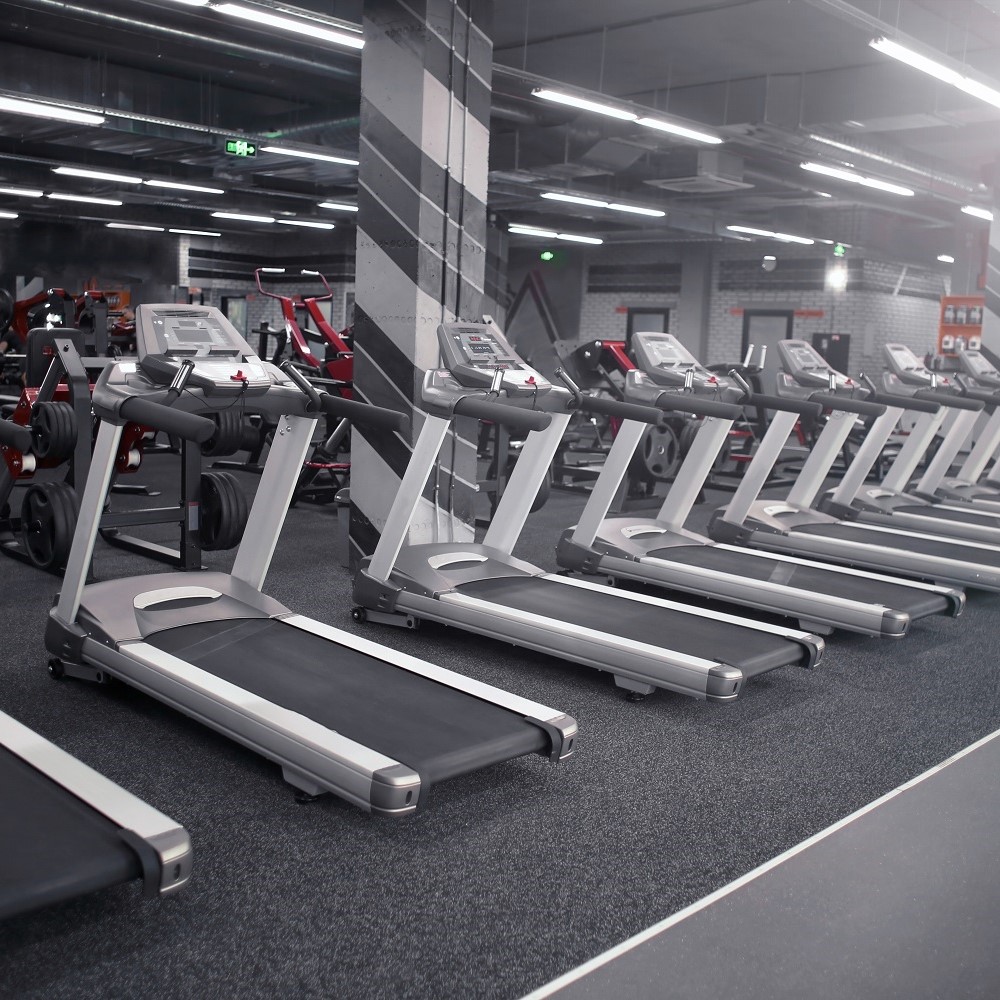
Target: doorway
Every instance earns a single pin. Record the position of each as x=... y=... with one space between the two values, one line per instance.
x=764 y=328
x=234 y=308
x=646 y=319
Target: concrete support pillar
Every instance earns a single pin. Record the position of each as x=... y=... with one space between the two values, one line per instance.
x=421 y=250
x=690 y=324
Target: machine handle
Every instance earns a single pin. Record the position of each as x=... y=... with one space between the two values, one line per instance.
x=947 y=399
x=904 y=402
x=614 y=408
x=864 y=407
x=189 y=426
x=364 y=413
x=803 y=407
x=684 y=403
x=502 y=413
x=15 y=436
x=303 y=384
x=989 y=396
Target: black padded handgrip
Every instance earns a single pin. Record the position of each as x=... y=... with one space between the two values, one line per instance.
x=15 y=435
x=614 y=408
x=189 y=426
x=863 y=407
x=904 y=402
x=988 y=396
x=501 y=413
x=947 y=399
x=800 y=406
x=698 y=405
x=364 y=413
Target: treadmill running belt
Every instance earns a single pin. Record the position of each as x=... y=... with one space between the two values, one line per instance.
x=434 y=729
x=815 y=579
x=53 y=847
x=944 y=548
x=751 y=651
x=970 y=516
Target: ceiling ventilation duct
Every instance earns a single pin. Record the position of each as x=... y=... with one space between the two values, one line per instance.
x=702 y=171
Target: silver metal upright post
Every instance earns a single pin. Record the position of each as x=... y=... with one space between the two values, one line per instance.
x=866 y=457
x=760 y=467
x=824 y=453
x=901 y=471
x=694 y=471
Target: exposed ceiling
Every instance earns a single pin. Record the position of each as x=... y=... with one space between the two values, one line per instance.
x=778 y=80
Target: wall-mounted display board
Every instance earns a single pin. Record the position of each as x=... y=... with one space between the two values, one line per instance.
x=961 y=323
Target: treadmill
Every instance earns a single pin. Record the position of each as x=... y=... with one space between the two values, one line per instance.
x=659 y=550
x=646 y=642
x=795 y=525
x=890 y=502
x=337 y=712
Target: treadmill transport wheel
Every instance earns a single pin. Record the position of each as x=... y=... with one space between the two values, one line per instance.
x=48 y=520
x=53 y=431
x=224 y=511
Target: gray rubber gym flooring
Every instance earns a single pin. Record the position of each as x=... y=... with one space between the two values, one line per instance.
x=512 y=875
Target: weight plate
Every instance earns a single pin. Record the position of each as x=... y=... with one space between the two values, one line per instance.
x=48 y=519
x=227 y=436
x=53 y=431
x=658 y=455
x=224 y=511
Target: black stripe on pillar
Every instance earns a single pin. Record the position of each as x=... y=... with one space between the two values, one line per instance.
x=375 y=343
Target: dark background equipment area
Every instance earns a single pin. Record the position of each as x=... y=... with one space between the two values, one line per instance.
x=516 y=874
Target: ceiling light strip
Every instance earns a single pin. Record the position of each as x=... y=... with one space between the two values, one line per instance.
x=551 y=234
x=768 y=234
x=309 y=155
x=56 y=112
x=313 y=29
x=854 y=178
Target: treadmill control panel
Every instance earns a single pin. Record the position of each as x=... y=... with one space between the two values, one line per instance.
x=224 y=363
x=977 y=366
x=666 y=362
x=479 y=356
x=805 y=367
x=909 y=371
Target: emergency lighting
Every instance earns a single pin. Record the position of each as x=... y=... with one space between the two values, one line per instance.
x=309 y=155
x=783 y=237
x=580 y=102
x=97 y=175
x=184 y=187
x=297 y=26
x=853 y=178
x=937 y=70
x=979 y=213
x=239 y=217
x=54 y=111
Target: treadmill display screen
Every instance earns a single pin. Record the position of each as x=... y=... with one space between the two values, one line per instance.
x=903 y=359
x=976 y=363
x=665 y=352
x=803 y=356
x=482 y=349
x=187 y=332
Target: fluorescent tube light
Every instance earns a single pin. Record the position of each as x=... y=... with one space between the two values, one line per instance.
x=97 y=175
x=8 y=215
x=946 y=258
x=57 y=196
x=134 y=225
x=636 y=210
x=575 y=199
x=193 y=3
x=306 y=224
x=579 y=102
x=54 y=111
x=573 y=238
x=769 y=256
x=285 y=151
x=938 y=70
x=979 y=213
x=313 y=29
x=681 y=130
x=194 y=232
x=853 y=178
x=549 y=234
x=19 y=192
x=184 y=187
x=783 y=237
x=239 y=217
x=272 y=270
x=338 y=206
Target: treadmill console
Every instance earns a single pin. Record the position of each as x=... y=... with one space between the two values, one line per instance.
x=666 y=362
x=803 y=366
x=224 y=363
x=907 y=371
x=479 y=356
x=980 y=369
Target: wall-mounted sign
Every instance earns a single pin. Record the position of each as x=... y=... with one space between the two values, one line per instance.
x=240 y=147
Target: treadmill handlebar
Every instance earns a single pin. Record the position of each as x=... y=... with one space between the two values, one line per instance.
x=904 y=402
x=364 y=413
x=698 y=405
x=502 y=413
x=189 y=426
x=863 y=407
x=948 y=399
x=15 y=436
x=988 y=396
x=803 y=407
x=616 y=408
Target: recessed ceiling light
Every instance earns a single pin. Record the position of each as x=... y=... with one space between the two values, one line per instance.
x=58 y=196
x=134 y=225
x=19 y=192
x=306 y=224
x=946 y=258
x=299 y=26
x=338 y=206
x=54 y=111
x=194 y=232
x=97 y=175
x=581 y=102
x=184 y=187
x=308 y=155
x=240 y=217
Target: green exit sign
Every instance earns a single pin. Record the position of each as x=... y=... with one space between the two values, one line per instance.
x=240 y=147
